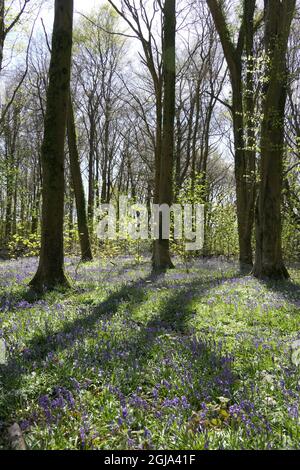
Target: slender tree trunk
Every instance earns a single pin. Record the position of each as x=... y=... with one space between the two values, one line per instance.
x=178 y=154
x=70 y=216
x=15 y=199
x=195 y=135
x=161 y=258
x=97 y=177
x=104 y=182
x=2 y=31
x=85 y=246
x=158 y=144
x=188 y=140
x=11 y=130
x=91 y=187
x=9 y=206
x=35 y=212
x=157 y=155
x=106 y=175
x=269 y=261
x=50 y=271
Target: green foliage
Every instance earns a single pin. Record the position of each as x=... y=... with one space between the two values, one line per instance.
x=221 y=230
x=192 y=192
x=71 y=239
x=290 y=238
x=24 y=245
x=96 y=30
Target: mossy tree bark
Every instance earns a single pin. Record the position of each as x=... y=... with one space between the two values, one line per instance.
x=50 y=271
x=84 y=238
x=244 y=160
x=161 y=256
x=269 y=262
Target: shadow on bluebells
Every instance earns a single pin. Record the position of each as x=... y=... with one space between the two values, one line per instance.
x=27 y=297
x=288 y=289
x=41 y=345
x=19 y=299
x=135 y=351
x=195 y=353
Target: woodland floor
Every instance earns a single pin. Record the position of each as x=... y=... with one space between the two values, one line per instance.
x=186 y=360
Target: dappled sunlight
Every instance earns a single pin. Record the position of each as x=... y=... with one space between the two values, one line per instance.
x=177 y=360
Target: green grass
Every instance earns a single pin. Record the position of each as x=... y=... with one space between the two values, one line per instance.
x=125 y=360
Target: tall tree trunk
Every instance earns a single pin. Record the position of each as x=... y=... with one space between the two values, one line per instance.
x=106 y=156
x=70 y=216
x=178 y=153
x=161 y=258
x=9 y=206
x=91 y=177
x=244 y=190
x=195 y=135
x=11 y=130
x=35 y=211
x=2 y=31
x=249 y=113
x=85 y=246
x=158 y=142
x=244 y=204
x=15 y=199
x=104 y=182
x=50 y=271
x=157 y=151
x=269 y=261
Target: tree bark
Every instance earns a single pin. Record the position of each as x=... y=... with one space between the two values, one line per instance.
x=83 y=232
x=161 y=256
x=249 y=113
x=178 y=153
x=243 y=159
x=50 y=271
x=2 y=31
x=91 y=187
x=269 y=262
x=11 y=130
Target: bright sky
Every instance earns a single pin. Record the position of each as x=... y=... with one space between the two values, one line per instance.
x=79 y=5
x=17 y=40
x=87 y=4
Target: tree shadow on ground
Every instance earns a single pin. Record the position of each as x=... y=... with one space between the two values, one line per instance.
x=288 y=289
x=172 y=318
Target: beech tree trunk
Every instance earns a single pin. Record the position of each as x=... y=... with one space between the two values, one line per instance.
x=243 y=202
x=86 y=252
x=158 y=141
x=161 y=255
x=249 y=124
x=268 y=261
x=50 y=271
x=244 y=177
